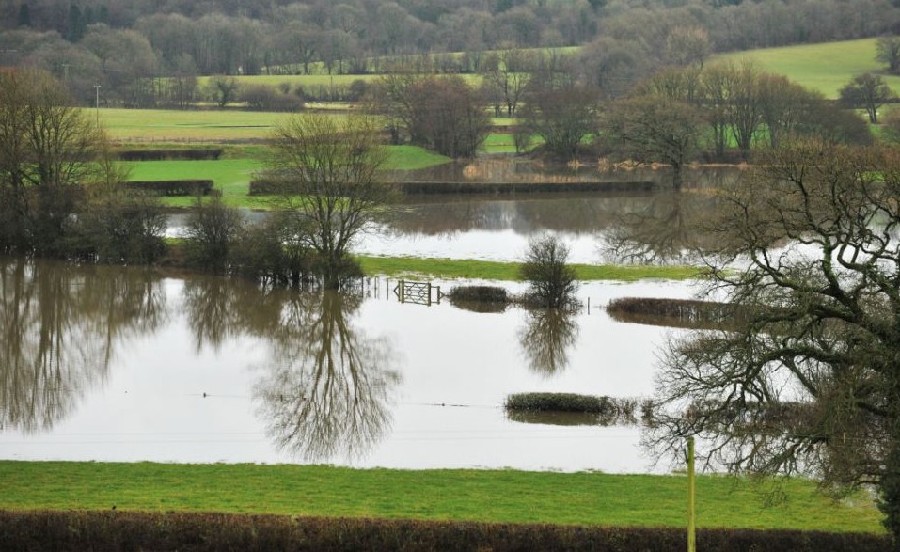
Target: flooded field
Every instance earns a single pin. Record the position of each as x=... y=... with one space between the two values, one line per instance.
x=114 y=364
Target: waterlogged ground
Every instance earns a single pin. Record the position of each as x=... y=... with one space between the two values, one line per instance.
x=114 y=364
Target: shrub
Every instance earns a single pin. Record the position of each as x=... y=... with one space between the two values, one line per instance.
x=265 y=98
x=559 y=402
x=551 y=281
x=485 y=294
x=120 y=226
x=479 y=298
x=212 y=230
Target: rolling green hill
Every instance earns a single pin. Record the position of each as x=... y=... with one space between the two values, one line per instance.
x=825 y=67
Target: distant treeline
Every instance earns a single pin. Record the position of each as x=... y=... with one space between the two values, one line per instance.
x=126 y=46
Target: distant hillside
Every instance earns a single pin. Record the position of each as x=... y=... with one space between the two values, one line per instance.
x=824 y=67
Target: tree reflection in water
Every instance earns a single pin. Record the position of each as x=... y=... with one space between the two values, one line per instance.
x=673 y=227
x=546 y=338
x=60 y=326
x=327 y=385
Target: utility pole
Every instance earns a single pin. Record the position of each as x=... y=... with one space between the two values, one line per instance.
x=97 y=87
x=691 y=525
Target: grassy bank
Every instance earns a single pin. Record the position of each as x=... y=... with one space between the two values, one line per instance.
x=497 y=270
x=482 y=495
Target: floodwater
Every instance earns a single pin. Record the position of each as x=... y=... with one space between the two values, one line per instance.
x=118 y=364
x=499 y=228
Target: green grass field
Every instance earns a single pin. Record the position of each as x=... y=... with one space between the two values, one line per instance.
x=186 y=126
x=509 y=271
x=479 y=495
x=824 y=67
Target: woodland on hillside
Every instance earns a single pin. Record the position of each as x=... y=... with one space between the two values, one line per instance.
x=126 y=47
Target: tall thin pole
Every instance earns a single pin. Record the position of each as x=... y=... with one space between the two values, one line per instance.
x=691 y=527
x=97 y=87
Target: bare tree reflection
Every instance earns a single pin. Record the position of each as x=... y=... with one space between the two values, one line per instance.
x=673 y=226
x=212 y=310
x=327 y=386
x=60 y=326
x=546 y=339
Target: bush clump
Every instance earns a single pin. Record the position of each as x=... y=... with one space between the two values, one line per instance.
x=559 y=402
x=480 y=298
x=572 y=409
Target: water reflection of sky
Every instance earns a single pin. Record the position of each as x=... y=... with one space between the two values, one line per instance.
x=455 y=369
x=491 y=245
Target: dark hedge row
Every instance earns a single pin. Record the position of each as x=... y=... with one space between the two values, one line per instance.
x=173 y=188
x=170 y=154
x=102 y=531
x=266 y=188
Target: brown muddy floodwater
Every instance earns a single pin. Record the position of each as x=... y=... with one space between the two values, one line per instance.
x=116 y=364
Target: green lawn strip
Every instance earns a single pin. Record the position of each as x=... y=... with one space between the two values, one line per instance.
x=413 y=157
x=497 y=270
x=476 y=495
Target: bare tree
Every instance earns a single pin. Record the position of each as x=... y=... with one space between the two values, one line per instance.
x=560 y=111
x=655 y=129
x=551 y=280
x=867 y=91
x=47 y=149
x=887 y=50
x=807 y=380
x=509 y=77
x=687 y=45
x=328 y=167
x=223 y=89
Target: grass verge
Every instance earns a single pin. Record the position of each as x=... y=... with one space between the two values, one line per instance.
x=479 y=495
x=509 y=271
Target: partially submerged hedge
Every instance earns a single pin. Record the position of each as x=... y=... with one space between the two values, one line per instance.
x=100 y=531
x=480 y=298
x=679 y=313
x=533 y=408
x=560 y=402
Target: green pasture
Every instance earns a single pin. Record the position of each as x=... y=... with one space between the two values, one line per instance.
x=233 y=175
x=479 y=495
x=186 y=126
x=825 y=67
x=509 y=271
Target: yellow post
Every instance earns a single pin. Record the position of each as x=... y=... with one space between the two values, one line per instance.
x=691 y=528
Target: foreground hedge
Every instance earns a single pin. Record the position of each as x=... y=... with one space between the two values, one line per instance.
x=100 y=531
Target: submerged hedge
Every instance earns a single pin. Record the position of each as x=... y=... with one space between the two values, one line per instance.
x=100 y=531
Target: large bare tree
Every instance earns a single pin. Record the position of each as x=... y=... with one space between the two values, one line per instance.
x=47 y=148
x=807 y=378
x=328 y=167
